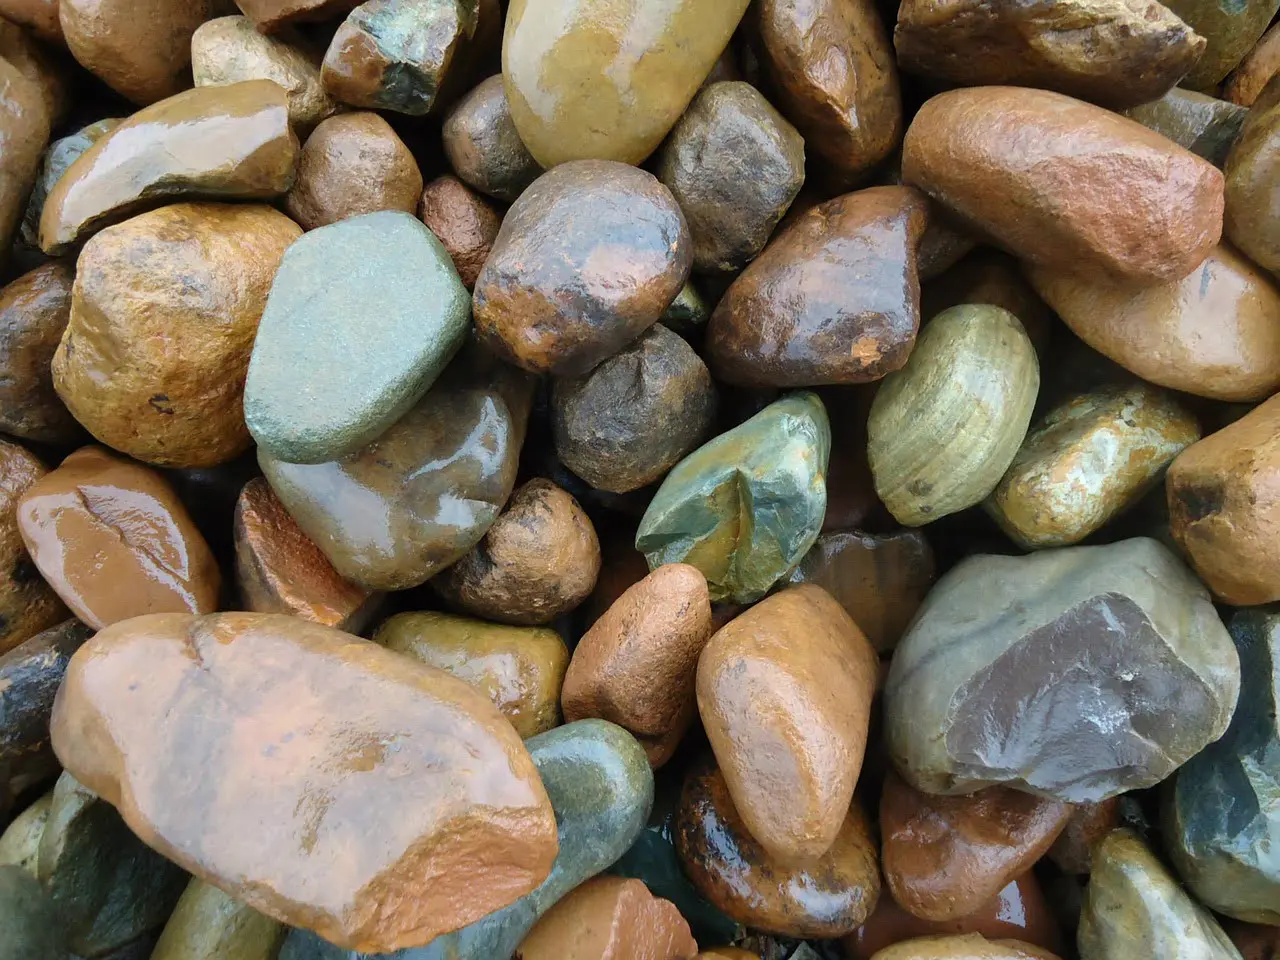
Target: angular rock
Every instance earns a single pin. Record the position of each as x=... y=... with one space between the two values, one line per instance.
x=1089 y=825
x=20 y=841
x=483 y=146
x=24 y=132
x=835 y=299
x=164 y=313
x=745 y=507
x=32 y=926
x=1254 y=71
x=34 y=310
x=369 y=311
x=1202 y=124
x=463 y=221
x=113 y=539
x=58 y=158
x=1253 y=179
x=554 y=295
x=1231 y=32
x=1077 y=673
x=207 y=924
x=27 y=604
x=1035 y=171
x=271 y=15
x=383 y=806
x=40 y=16
x=970 y=946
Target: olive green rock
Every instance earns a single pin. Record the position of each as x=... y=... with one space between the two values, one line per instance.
x=1232 y=27
x=1222 y=809
x=30 y=927
x=209 y=925
x=1253 y=182
x=57 y=158
x=20 y=842
x=1202 y=124
x=746 y=506
x=1133 y=908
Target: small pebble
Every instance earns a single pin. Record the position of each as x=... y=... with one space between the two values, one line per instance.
x=483 y=145
x=463 y=221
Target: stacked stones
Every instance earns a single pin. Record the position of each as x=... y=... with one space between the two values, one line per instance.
x=639 y=481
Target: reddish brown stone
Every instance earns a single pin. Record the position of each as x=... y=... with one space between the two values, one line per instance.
x=271 y=15
x=27 y=604
x=1088 y=826
x=464 y=222
x=1253 y=940
x=1255 y=70
x=34 y=310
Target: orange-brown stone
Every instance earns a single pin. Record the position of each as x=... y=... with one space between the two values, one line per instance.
x=463 y=221
x=27 y=604
x=24 y=130
x=1089 y=825
x=34 y=310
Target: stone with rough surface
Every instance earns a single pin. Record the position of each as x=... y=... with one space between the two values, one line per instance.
x=1254 y=71
x=34 y=310
x=27 y=603
x=1231 y=30
x=483 y=146
x=465 y=222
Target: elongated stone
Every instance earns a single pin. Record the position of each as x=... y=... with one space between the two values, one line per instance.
x=1204 y=125
x=1253 y=177
x=1255 y=70
x=207 y=924
x=57 y=160
x=24 y=131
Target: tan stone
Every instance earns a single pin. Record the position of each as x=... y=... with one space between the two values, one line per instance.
x=1255 y=70
x=40 y=16
x=24 y=131
x=969 y=946
x=207 y=924
x=463 y=221
x=27 y=604
x=34 y=310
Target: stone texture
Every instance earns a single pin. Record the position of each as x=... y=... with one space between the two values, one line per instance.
x=20 y=841
x=734 y=165
x=33 y=929
x=1089 y=825
x=280 y=570
x=745 y=507
x=835 y=299
x=1231 y=32
x=1254 y=71
x=1202 y=124
x=27 y=604
x=164 y=313
x=34 y=310
x=1077 y=673
x=1116 y=53
x=24 y=132
x=1087 y=460
x=47 y=71
x=113 y=539
x=230 y=50
x=944 y=429
x=1036 y=171
x=688 y=314
x=463 y=221
x=1253 y=179
x=40 y=16
x=994 y=277
x=209 y=925
x=271 y=15
x=57 y=159
x=417 y=839
x=784 y=691
x=825 y=897
x=632 y=418
x=587 y=259
x=943 y=857
x=607 y=80
x=389 y=314
x=483 y=146
x=231 y=142
x=970 y=946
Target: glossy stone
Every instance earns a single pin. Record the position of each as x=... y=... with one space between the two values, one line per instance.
x=20 y=841
x=483 y=145
x=606 y=79
x=463 y=221
x=389 y=316
x=46 y=71
x=632 y=418
x=834 y=299
x=164 y=313
x=970 y=946
x=33 y=929
x=207 y=924
x=305 y=781
x=1214 y=333
x=113 y=539
x=944 y=429
x=27 y=604
x=825 y=897
x=34 y=310
x=24 y=132
x=1077 y=673
x=271 y=15
x=1131 y=899
x=1089 y=825
x=769 y=472
x=1202 y=124
x=553 y=296
x=57 y=159
x=1231 y=31
x=1254 y=71
x=1036 y=171
x=727 y=953
x=1087 y=460
x=230 y=142
x=1253 y=177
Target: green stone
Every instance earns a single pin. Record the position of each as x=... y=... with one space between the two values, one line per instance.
x=1232 y=27
x=1202 y=124
x=1222 y=809
x=30 y=928
x=20 y=842
x=60 y=155
x=363 y=315
x=745 y=507
x=207 y=924
x=688 y=313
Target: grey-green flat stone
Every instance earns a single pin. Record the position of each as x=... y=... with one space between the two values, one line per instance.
x=1202 y=124
x=363 y=316
x=746 y=506
x=30 y=928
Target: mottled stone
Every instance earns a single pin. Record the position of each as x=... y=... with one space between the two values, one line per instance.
x=1089 y=825
x=1036 y=171
x=27 y=604
x=969 y=946
x=33 y=929
x=20 y=841
x=57 y=160
x=463 y=221
x=1255 y=70
x=207 y=924
x=1253 y=181
x=746 y=506
x=554 y=295
x=271 y=15
x=369 y=310
x=24 y=132
x=1231 y=31
x=113 y=539
x=34 y=310
x=1202 y=124
x=39 y=16
x=688 y=313
x=231 y=142
x=483 y=145
x=1077 y=673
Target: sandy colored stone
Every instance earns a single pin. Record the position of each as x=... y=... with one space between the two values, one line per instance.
x=57 y=159
x=164 y=313
x=20 y=841
x=1231 y=32
x=465 y=222
x=1214 y=333
x=44 y=69
x=34 y=310
x=1089 y=824
x=607 y=80
x=231 y=142
x=207 y=924
x=271 y=15
x=279 y=570
x=1204 y=125
x=1036 y=171
x=230 y=744
x=483 y=146
x=1253 y=182
x=24 y=131
x=40 y=16
x=969 y=946
x=353 y=164
x=834 y=299
x=229 y=50
x=27 y=604
x=112 y=538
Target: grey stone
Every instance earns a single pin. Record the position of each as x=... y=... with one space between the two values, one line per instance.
x=1204 y=125
x=30 y=928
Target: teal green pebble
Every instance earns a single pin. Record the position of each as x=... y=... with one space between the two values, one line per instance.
x=363 y=316
x=601 y=789
x=1222 y=809
x=29 y=925
x=746 y=506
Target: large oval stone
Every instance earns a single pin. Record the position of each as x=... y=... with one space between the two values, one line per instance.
x=253 y=748
x=27 y=603
x=207 y=924
x=1253 y=180
x=34 y=310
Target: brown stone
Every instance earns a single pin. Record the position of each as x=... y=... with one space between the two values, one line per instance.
x=727 y=953
x=34 y=310
x=27 y=604
x=1253 y=182
x=24 y=131
x=539 y=559
x=318 y=778
x=621 y=566
x=1255 y=941
x=587 y=259
x=969 y=946
x=784 y=691
x=114 y=541
x=637 y=665
x=1214 y=332
x=945 y=856
x=610 y=918
x=271 y=15
x=832 y=67
x=229 y=142
x=1036 y=171
x=164 y=312
x=463 y=221
x=1089 y=824
x=353 y=164
x=40 y=16
x=483 y=146
x=280 y=570
x=834 y=299
x=1255 y=70
x=36 y=64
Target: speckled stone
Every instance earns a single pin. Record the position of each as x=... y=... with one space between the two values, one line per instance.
x=483 y=146
x=366 y=312
x=773 y=466
x=61 y=154
x=464 y=221
x=207 y=924
x=1203 y=124
x=34 y=310
x=33 y=928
